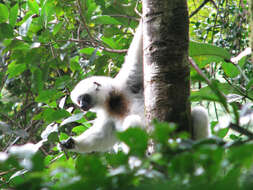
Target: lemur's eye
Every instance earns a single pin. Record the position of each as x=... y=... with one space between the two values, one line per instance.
x=84 y=101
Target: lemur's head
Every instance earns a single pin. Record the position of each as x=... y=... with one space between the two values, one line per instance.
x=100 y=93
x=91 y=93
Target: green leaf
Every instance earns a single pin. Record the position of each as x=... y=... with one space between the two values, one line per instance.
x=222 y=132
x=53 y=137
x=46 y=12
x=18 y=45
x=136 y=139
x=163 y=131
x=57 y=28
x=202 y=61
x=90 y=51
x=50 y=114
x=60 y=114
x=91 y=6
x=63 y=136
x=117 y=159
x=250 y=84
x=241 y=154
x=13 y=15
x=33 y=6
x=230 y=70
x=47 y=96
x=105 y=19
x=15 y=69
x=4 y=13
x=62 y=82
x=6 y=31
x=37 y=83
x=79 y=129
x=38 y=162
x=213 y=92
x=110 y=42
x=202 y=49
x=91 y=167
x=204 y=93
x=74 y=64
x=242 y=61
x=87 y=51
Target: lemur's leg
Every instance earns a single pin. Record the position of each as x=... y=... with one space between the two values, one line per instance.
x=131 y=121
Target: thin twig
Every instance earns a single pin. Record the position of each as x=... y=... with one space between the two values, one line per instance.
x=238 y=89
x=102 y=47
x=124 y=16
x=198 y=9
x=6 y=172
x=136 y=10
x=214 y=4
x=79 y=5
x=89 y=33
x=193 y=64
x=220 y=94
x=113 y=50
x=215 y=21
x=52 y=50
x=235 y=60
x=241 y=130
x=13 y=122
x=94 y=41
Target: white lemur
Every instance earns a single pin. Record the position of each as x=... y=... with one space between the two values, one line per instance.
x=119 y=104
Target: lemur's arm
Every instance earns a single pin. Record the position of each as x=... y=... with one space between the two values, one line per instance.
x=131 y=73
x=98 y=138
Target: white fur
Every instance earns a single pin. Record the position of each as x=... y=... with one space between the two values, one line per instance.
x=101 y=137
x=132 y=120
x=88 y=86
x=200 y=123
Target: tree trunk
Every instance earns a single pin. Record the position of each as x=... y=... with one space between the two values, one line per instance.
x=166 y=69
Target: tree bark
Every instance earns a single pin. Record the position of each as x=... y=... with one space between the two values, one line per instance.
x=166 y=68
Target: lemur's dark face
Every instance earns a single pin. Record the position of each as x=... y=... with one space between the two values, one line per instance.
x=85 y=102
x=68 y=144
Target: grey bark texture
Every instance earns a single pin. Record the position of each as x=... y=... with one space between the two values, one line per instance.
x=166 y=68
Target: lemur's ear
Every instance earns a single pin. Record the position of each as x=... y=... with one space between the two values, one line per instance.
x=97 y=85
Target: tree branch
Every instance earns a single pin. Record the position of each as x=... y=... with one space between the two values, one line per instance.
x=201 y=6
x=94 y=41
x=194 y=65
x=101 y=46
x=241 y=130
x=79 y=5
x=220 y=94
x=124 y=16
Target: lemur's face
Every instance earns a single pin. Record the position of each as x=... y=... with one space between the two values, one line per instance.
x=85 y=94
x=85 y=102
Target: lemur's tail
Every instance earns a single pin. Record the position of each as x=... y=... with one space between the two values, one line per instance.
x=200 y=123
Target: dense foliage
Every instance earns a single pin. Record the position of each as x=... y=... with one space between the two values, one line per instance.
x=47 y=46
